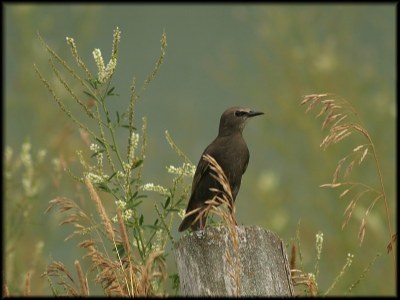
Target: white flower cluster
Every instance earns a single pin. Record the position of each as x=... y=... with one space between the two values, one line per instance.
x=121 y=204
x=186 y=170
x=26 y=157
x=126 y=213
x=349 y=259
x=41 y=155
x=95 y=178
x=134 y=143
x=182 y=213
x=71 y=43
x=116 y=40
x=120 y=174
x=96 y=148
x=319 y=239
x=28 y=177
x=105 y=72
x=155 y=188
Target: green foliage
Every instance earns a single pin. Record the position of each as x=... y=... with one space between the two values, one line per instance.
x=23 y=187
x=115 y=171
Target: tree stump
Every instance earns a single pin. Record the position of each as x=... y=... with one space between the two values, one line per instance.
x=213 y=264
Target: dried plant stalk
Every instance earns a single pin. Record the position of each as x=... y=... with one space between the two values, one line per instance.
x=82 y=279
x=338 y=113
x=100 y=209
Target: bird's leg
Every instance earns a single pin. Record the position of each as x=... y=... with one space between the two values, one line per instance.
x=201 y=224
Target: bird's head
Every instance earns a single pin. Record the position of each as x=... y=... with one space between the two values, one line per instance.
x=234 y=119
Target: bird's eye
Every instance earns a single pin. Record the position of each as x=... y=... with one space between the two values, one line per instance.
x=239 y=113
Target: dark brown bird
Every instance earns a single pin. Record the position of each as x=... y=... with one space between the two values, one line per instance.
x=230 y=151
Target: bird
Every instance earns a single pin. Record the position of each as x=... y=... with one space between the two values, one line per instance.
x=230 y=151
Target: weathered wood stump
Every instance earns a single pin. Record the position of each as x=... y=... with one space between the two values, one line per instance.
x=213 y=264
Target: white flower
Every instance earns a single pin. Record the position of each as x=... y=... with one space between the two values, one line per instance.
x=319 y=239
x=105 y=72
x=173 y=170
x=109 y=71
x=96 y=178
x=71 y=43
x=94 y=147
x=41 y=155
x=133 y=145
x=116 y=40
x=127 y=214
x=100 y=65
x=349 y=259
x=154 y=188
x=26 y=157
x=121 y=204
x=186 y=170
x=182 y=213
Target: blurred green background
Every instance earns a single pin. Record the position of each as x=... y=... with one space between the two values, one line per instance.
x=261 y=56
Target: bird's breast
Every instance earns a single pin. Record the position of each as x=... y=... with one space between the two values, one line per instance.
x=232 y=155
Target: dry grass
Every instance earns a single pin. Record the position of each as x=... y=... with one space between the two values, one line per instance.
x=27 y=285
x=101 y=210
x=118 y=275
x=341 y=121
x=300 y=277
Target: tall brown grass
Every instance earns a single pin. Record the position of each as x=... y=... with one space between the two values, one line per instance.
x=119 y=274
x=341 y=121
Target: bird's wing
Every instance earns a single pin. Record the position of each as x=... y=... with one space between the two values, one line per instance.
x=201 y=170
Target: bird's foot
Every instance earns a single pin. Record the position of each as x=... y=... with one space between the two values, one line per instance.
x=199 y=233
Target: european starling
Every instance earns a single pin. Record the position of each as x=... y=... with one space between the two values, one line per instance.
x=230 y=151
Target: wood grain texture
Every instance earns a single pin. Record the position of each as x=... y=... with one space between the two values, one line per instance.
x=209 y=264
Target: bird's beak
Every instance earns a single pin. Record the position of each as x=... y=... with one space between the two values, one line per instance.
x=254 y=113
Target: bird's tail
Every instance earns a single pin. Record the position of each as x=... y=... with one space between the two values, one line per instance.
x=189 y=222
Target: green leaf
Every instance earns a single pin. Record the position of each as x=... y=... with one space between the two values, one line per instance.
x=133 y=196
x=102 y=186
x=115 y=190
x=97 y=153
x=137 y=164
x=167 y=202
x=175 y=283
x=118 y=119
x=101 y=142
x=90 y=95
x=93 y=82
x=120 y=249
x=113 y=174
x=110 y=91
x=141 y=220
x=151 y=227
x=135 y=204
